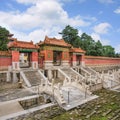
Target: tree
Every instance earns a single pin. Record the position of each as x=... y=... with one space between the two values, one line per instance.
x=3 y=38
x=70 y=35
x=117 y=55
x=88 y=44
x=99 y=48
x=108 y=51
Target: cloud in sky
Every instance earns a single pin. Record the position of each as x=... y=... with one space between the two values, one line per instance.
x=42 y=17
x=99 y=30
x=117 y=48
x=34 y=19
x=117 y=11
x=97 y=37
x=102 y=28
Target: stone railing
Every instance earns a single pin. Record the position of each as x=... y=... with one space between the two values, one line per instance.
x=77 y=83
x=111 y=78
x=50 y=89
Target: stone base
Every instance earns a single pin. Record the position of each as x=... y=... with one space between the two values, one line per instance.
x=74 y=63
x=15 y=66
x=82 y=63
x=48 y=64
x=65 y=63
x=35 y=65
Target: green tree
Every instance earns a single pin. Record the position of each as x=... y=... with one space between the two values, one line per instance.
x=70 y=35
x=99 y=48
x=117 y=55
x=108 y=51
x=3 y=38
x=88 y=44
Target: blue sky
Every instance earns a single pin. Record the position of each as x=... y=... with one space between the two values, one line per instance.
x=33 y=19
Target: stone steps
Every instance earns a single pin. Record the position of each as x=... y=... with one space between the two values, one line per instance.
x=69 y=72
x=33 y=77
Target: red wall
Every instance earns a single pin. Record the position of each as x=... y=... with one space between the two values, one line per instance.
x=5 y=62
x=48 y=55
x=15 y=56
x=34 y=56
x=93 y=60
x=65 y=56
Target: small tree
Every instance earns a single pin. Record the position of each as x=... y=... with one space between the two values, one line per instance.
x=3 y=38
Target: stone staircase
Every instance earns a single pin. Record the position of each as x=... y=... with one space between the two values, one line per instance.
x=111 y=79
x=92 y=77
x=74 y=79
x=72 y=74
x=38 y=83
x=32 y=77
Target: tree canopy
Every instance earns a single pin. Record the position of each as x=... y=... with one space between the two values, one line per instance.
x=87 y=43
x=3 y=38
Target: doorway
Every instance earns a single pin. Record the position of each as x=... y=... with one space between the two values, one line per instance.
x=78 y=59
x=25 y=60
x=57 y=55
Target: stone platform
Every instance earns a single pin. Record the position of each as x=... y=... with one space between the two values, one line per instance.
x=74 y=97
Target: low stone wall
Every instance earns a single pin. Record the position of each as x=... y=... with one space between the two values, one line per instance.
x=96 y=87
x=26 y=104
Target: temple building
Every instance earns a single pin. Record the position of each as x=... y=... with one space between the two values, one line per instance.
x=56 y=52
x=49 y=53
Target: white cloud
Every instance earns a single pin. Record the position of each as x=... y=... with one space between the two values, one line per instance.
x=37 y=34
x=97 y=37
x=106 y=1
x=42 y=17
x=102 y=28
x=117 y=48
x=117 y=11
x=99 y=30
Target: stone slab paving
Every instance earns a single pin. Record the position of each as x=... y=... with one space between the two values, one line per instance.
x=10 y=108
x=22 y=112
x=14 y=94
x=74 y=97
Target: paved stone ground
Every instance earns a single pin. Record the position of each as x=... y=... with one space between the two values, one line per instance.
x=9 y=91
x=72 y=94
x=105 y=107
x=9 y=108
x=74 y=97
